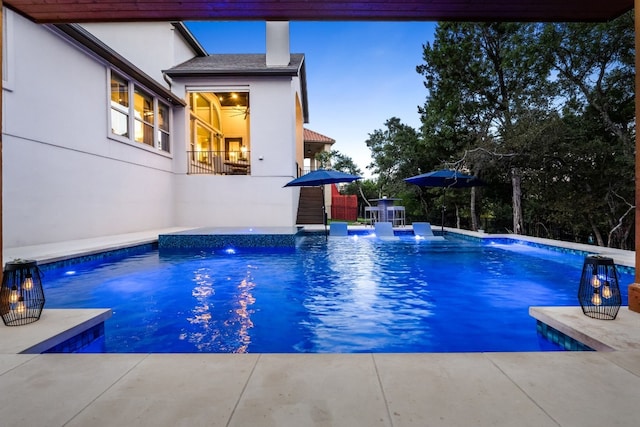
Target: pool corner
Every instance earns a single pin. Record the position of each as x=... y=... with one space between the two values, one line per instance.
x=56 y=327
x=620 y=334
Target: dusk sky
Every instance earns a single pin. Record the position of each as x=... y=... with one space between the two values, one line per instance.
x=359 y=74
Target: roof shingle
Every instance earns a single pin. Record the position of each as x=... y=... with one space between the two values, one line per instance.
x=235 y=64
x=311 y=136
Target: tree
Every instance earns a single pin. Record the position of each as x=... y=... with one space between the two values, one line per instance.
x=396 y=155
x=594 y=65
x=485 y=82
x=544 y=113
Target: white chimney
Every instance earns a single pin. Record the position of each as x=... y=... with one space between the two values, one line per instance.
x=278 y=43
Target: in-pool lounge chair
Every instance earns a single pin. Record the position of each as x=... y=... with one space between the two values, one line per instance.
x=384 y=231
x=338 y=229
x=423 y=230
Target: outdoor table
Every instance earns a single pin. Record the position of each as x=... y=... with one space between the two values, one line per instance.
x=383 y=204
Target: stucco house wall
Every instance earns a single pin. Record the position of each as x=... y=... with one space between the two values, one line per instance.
x=66 y=177
x=63 y=177
x=152 y=46
x=258 y=199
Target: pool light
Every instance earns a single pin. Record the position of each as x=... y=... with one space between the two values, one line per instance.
x=21 y=294
x=599 y=292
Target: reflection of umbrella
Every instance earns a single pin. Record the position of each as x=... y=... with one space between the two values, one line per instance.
x=445 y=179
x=320 y=178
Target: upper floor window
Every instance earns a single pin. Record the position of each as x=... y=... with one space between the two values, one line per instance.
x=137 y=115
x=219 y=132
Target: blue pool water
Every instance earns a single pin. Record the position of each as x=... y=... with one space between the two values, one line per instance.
x=356 y=294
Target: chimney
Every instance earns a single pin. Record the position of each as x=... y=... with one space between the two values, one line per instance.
x=278 y=43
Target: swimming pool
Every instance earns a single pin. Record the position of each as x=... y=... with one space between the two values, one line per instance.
x=355 y=294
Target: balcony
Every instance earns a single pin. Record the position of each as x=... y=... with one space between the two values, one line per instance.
x=218 y=163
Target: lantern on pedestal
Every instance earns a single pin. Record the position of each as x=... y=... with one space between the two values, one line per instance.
x=21 y=294
x=599 y=292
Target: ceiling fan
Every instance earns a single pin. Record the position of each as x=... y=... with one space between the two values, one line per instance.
x=240 y=111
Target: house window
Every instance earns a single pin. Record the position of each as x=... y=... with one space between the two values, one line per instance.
x=143 y=123
x=119 y=106
x=163 y=127
x=134 y=108
x=205 y=127
x=219 y=137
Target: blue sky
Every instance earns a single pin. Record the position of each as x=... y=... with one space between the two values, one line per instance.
x=359 y=74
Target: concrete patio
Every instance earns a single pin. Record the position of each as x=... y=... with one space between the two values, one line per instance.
x=492 y=389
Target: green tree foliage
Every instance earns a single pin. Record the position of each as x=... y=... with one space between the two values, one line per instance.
x=594 y=65
x=396 y=152
x=486 y=87
x=544 y=113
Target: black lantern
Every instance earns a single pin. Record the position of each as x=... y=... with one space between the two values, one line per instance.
x=21 y=295
x=599 y=293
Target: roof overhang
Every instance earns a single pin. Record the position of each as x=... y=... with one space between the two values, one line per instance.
x=62 y=11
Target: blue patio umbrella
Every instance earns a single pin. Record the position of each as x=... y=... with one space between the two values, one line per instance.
x=320 y=178
x=444 y=179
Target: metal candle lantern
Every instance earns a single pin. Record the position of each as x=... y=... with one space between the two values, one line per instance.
x=599 y=292
x=21 y=294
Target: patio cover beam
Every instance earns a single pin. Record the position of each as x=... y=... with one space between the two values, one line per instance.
x=66 y=11
x=637 y=174
x=1 y=118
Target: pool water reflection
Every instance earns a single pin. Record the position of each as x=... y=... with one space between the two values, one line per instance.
x=341 y=295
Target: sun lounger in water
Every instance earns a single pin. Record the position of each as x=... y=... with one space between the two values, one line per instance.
x=423 y=230
x=338 y=229
x=384 y=230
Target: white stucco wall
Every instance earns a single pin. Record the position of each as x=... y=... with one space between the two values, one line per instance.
x=258 y=199
x=226 y=201
x=273 y=128
x=54 y=194
x=64 y=179
x=151 y=46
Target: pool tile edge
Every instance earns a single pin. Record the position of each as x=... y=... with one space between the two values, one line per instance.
x=620 y=334
x=54 y=327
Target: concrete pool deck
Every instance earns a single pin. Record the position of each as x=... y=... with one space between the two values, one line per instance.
x=438 y=389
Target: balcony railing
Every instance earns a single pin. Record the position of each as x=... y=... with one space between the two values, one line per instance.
x=218 y=162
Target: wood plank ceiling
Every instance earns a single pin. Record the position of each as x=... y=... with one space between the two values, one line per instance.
x=58 y=11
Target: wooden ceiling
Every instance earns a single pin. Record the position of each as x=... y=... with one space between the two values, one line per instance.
x=65 y=11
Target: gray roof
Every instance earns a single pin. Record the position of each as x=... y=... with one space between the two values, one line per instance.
x=247 y=64
x=243 y=64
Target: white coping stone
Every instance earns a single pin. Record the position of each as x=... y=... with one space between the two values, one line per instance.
x=52 y=252
x=622 y=333
x=55 y=326
x=620 y=256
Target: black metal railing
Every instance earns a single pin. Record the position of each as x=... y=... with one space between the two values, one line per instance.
x=218 y=162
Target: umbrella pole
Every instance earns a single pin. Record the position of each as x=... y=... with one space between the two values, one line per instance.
x=324 y=215
x=444 y=193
